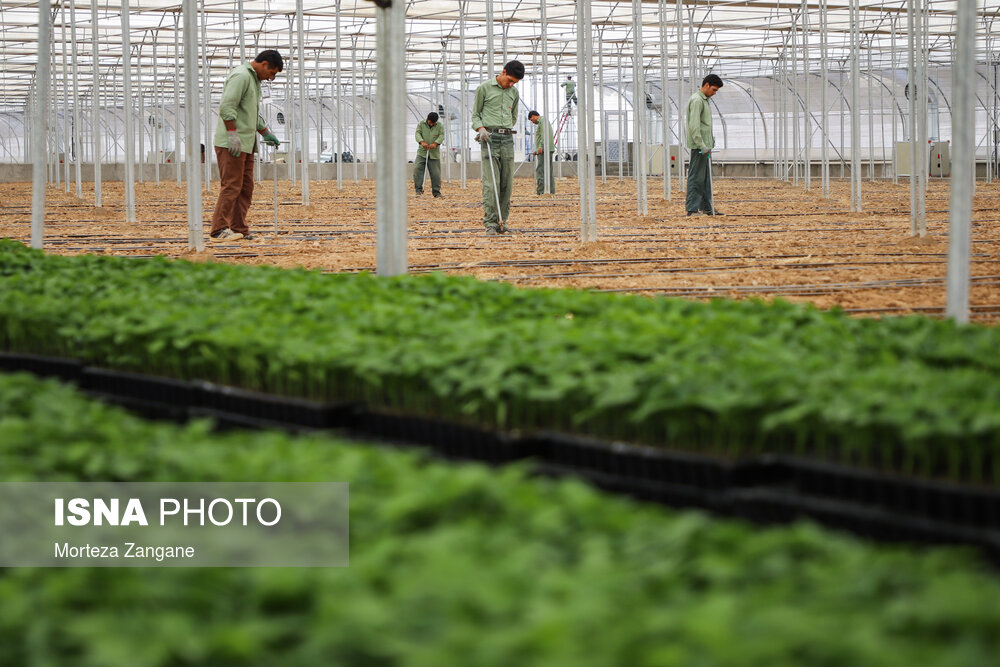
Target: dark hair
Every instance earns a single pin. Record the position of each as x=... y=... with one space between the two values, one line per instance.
x=712 y=80
x=532 y=114
x=432 y=117
x=515 y=68
x=272 y=57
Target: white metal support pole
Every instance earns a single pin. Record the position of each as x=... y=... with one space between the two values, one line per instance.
x=825 y=118
x=463 y=125
x=304 y=149
x=586 y=151
x=96 y=111
x=664 y=99
x=28 y=129
x=581 y=180
x=892 y=102
x=795 y=101
x=290 y=122
x=546 y=155
x=51 y=138
x=139 y=118
x=206 y=78
x=639 y=110
x=871 y=116
x=354 y=105
x=192 y=168
x=320 y=105
x=67 y=152
x=371 y=117
x=157 y=117
x=962 y=175
x=681 y=99
x=340 y=110
x=319 y=113
x=781 y=113
x=923 y=154
x=490 y=71
x=621 y=131
x=445 y=106
x=583 y=174
x=177 y=99
x=774 y=119
x=77 y=127
x=807 y=73
x=855 y=108
x=39 y=128
x=243 y=37
x=911 y=88
x=390 y=190
x=601 y=116
x=129 y=116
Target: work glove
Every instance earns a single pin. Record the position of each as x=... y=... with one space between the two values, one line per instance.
x=234 y=143
x=271 y=140
x=484 y=136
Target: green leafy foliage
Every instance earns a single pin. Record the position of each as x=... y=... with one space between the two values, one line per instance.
x=466 y=565
x=908 y=394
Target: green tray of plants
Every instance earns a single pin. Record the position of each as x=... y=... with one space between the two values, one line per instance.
x=467 y=565
x=727 y=378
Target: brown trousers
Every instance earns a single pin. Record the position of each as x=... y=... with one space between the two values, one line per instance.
x=236 y=175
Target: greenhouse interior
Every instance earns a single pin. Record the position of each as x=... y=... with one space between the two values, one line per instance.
x=685 y=355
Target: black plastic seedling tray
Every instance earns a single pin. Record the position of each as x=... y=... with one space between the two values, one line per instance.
x=768 y=489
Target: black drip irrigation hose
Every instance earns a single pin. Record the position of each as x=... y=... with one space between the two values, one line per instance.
x=989 y=309
x=844 y=266
x=814 y=289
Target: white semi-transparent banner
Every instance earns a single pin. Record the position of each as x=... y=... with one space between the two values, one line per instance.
x=168 y=524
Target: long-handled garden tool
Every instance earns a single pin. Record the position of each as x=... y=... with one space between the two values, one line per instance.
x=496 y=192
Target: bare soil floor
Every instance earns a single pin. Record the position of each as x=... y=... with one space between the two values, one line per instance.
x=775 y=239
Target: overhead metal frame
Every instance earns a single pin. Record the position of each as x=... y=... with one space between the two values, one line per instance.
x=747 y=39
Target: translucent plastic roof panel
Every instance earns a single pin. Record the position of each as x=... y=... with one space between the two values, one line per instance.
x=744 y=38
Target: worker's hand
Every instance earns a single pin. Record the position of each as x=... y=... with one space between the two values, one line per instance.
x=432 y=146
x=706 y=153
x=234 y=143
x=538 y=152
x=424 y=144
x=484 y=136
x=271 y=140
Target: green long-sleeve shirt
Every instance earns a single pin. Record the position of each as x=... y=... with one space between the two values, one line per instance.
x=240 y=102
x=699 y=123
x=544 y=129
x=495 y=106
x=432 y=135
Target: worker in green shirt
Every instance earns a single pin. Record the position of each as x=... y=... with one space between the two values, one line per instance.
x=543 y=135
x=570 y=87
x=430 y=136
x=701 y=141
x=236 y=142
x=494 y=113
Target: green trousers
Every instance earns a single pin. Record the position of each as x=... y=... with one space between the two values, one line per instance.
x=433 y=168
x=540 y=175
x=699 y=187
x=501 y=167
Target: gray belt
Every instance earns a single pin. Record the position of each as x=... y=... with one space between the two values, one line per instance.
x=500 y=130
